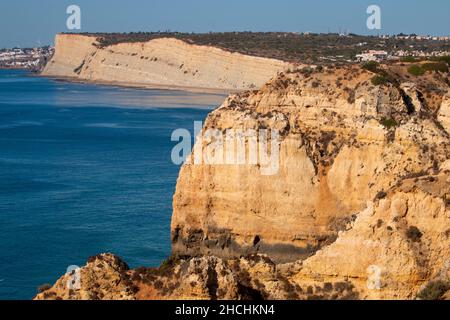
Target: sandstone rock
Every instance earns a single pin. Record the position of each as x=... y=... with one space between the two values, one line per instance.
x=160 y=62
x=343 y=142
x=105 y=277
x=381 y=246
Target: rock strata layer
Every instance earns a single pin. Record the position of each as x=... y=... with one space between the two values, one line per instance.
x=164 y=62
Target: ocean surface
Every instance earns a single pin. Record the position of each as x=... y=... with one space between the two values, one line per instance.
x=85 y=169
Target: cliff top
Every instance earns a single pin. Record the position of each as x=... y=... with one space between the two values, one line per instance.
x=287 y=46
x=430 y=78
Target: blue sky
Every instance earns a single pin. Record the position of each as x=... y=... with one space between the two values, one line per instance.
x=30 y=22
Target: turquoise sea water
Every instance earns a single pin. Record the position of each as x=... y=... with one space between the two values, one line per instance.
x=85 y=169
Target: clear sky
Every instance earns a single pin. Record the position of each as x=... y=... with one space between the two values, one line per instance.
x=32 y=22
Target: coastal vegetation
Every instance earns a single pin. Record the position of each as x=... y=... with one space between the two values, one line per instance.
x=288 y=46
x=419 y=70
x=382 y=77
x=379 y=80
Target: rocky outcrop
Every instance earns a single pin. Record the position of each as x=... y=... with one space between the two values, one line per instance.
x=159 y=62
x=395 y=247
x=208 y=278
x=104 y=277
x=343 y=142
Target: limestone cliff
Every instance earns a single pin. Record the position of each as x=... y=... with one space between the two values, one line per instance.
x=344 y=142
x=359 y=208
x=159 y=62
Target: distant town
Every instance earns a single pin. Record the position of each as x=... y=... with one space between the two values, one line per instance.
x=25 y=58
x=412 y=51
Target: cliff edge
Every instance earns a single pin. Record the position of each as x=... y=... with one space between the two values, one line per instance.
x=163 y=62
x=343 y=141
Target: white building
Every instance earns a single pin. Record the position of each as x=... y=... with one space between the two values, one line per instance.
x=372 y=55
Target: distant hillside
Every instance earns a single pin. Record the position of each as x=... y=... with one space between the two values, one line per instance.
x=292 y=47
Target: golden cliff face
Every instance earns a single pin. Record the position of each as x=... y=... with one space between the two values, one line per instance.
x=395 y=246
x=160 y=62
x=344 y=141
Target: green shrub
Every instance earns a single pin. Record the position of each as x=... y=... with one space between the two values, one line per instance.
x=371 y=66
x=434 y=290
x=437 y=66
x=416 y=70
x=420 y=70
x=388 y=123
x=379 y=80
x=445 y=59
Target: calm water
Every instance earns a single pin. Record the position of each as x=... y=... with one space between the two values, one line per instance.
x=84 y=169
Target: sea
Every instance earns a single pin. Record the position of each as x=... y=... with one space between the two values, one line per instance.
x=85 y=169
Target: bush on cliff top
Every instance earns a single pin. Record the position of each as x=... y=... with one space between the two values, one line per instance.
x=416 y=70
x=372 y=66
x=445 y=59
x=435 y=66
x=379 y=80
x=382 y=76
x=420 y=70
